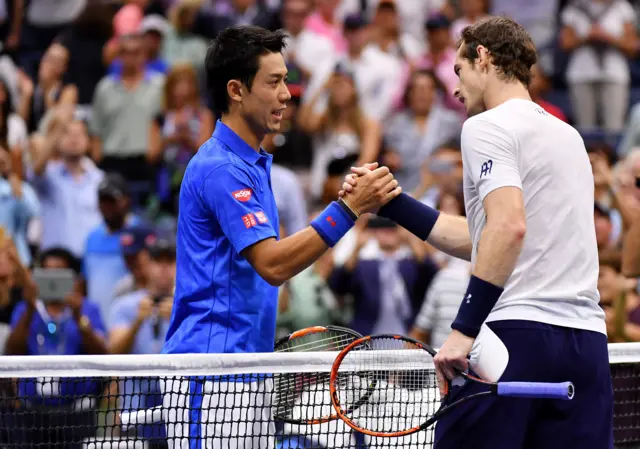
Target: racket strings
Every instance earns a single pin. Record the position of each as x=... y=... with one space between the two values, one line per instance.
x=305 y=396
x=405 y=393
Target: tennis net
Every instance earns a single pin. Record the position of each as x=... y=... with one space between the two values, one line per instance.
x=213 y=401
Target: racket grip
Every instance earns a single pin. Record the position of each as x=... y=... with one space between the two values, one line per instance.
x=538 y=390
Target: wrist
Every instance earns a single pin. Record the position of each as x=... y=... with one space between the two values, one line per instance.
x=332 y=223
x=351 y=211
x=476 y=305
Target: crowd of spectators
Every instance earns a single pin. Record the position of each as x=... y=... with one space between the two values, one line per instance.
x=103 y=103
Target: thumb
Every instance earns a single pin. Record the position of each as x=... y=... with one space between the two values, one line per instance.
x=361 y=171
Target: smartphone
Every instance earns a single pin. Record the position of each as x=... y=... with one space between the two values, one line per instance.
x=54 y=284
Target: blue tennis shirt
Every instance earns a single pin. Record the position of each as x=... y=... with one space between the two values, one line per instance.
x=226 y=204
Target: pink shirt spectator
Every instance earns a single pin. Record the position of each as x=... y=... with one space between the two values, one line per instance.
x=316 y=24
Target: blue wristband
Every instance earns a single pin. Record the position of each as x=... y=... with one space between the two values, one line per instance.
x=411 y=214
x=332 y=224
x=476 y=305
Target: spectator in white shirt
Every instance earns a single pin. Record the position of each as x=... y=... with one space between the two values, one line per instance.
x=472 y=11
x=600 y=35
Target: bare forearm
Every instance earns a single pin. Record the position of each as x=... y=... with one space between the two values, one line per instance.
x=451 y=236
x=631 y=251
x=287 y=257
x=498 y=251
x=17 y=340
x=122 y=342
x=91 y=342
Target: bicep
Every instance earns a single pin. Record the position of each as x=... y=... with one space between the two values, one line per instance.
x=505 y=205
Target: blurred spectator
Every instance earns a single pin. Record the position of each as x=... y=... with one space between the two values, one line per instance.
x=411 y=135
x=180 y=44
x=441 y=58
x=388 y=288
x=305 y=48
x=152 y=28
x=308 y=299
x=177 y=132
x=138 y=325
x=391 y=38
x=441 y=304
x=604 y=231
x=13 y=130
x=139 y=320
x=15 y=285
x=472 y=11
x=67 y=185
x=375 y=73
x=324 y=22
x=441 y=173
x=124 y=107
x=43 y=22
x=539 y=86
x=104 y=265
x=18 y=204
x=11 y=24
x=134 y=241
x=69 y=325
x=86 y=41
x=341 y=128
x=600 y=35
x=289 y=194
x=620 y=302
x=50 y=90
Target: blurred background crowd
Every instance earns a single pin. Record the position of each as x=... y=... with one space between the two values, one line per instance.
x=103 y=103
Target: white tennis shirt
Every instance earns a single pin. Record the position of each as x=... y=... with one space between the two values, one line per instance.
x=555 y=278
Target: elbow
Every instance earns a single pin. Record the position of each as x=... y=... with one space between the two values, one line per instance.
x=512 y=230
x=274 y=276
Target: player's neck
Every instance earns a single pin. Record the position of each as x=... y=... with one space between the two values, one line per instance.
x=240 y=126
x=501 y=92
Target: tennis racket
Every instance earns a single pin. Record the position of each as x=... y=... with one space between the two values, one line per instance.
x=303 y=398
x=406 y=398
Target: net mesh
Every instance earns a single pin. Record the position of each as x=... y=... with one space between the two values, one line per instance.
x=215 y=401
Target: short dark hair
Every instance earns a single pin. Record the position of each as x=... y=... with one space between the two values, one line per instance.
x=72 y=261
x=511 y=48
x=235 y=54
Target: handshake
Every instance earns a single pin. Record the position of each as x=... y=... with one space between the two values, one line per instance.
x=368 y=188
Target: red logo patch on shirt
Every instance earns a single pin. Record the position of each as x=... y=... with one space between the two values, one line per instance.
x=243 y=195
x=249 y=221
x=262 y=218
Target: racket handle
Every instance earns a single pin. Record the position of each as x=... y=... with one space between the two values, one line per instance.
x=538 y=390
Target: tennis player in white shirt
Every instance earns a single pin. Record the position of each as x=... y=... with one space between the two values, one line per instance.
x=531 y=310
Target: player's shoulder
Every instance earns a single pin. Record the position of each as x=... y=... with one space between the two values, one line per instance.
x=212 y=159
x=487 y=125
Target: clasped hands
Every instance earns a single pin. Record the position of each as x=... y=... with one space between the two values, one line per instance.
x=368 y=188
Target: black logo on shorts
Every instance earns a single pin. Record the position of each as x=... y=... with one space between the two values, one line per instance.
x=486 y=168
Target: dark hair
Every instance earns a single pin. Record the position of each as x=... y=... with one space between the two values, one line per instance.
x=235 y=55
x=95 y=21
x=61 y=253
x=6 y=110
x=511 y=48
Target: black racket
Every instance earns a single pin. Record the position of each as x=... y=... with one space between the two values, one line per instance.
x=406 y=398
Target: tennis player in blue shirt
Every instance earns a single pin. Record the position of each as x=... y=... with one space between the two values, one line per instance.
x=230 y=260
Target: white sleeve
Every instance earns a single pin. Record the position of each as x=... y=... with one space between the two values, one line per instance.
x=489 y=156
x=429 y=310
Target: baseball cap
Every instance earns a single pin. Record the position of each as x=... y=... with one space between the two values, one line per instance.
x=134 y=239
x=162 y=248
x=296 y=82
x=113 y=186
x=437 y=21
x=154 y=22
x=354 y=22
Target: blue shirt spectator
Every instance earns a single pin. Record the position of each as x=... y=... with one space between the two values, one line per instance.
x=104 y=264
x=221 y=303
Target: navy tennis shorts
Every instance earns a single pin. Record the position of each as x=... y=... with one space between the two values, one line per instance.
x=538 y=353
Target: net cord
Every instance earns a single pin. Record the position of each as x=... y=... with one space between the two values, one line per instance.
x=154 y=365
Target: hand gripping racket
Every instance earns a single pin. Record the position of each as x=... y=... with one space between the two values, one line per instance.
x=303 y=398
x=406 y=398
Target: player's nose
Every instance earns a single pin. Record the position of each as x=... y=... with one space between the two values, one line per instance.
x=456 y=92
x=285 y=95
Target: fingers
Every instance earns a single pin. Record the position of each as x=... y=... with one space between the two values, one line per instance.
x=366 y=168
x=380 y=172
x=391 y=195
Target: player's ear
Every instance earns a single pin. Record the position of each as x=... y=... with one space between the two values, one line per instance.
x=483 y=57
x=234 y=90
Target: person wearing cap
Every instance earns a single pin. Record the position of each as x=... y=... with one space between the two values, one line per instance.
x=104 y=265
x=138 y=324
x=376 y=73
x=152 y=29
x=134 y=241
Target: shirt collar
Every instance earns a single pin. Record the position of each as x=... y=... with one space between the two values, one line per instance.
x=235 y=143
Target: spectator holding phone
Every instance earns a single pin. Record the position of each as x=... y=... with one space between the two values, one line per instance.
x=59 y=322
x=138 y=325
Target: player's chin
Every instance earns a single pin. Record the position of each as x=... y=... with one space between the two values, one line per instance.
x=273 y=125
